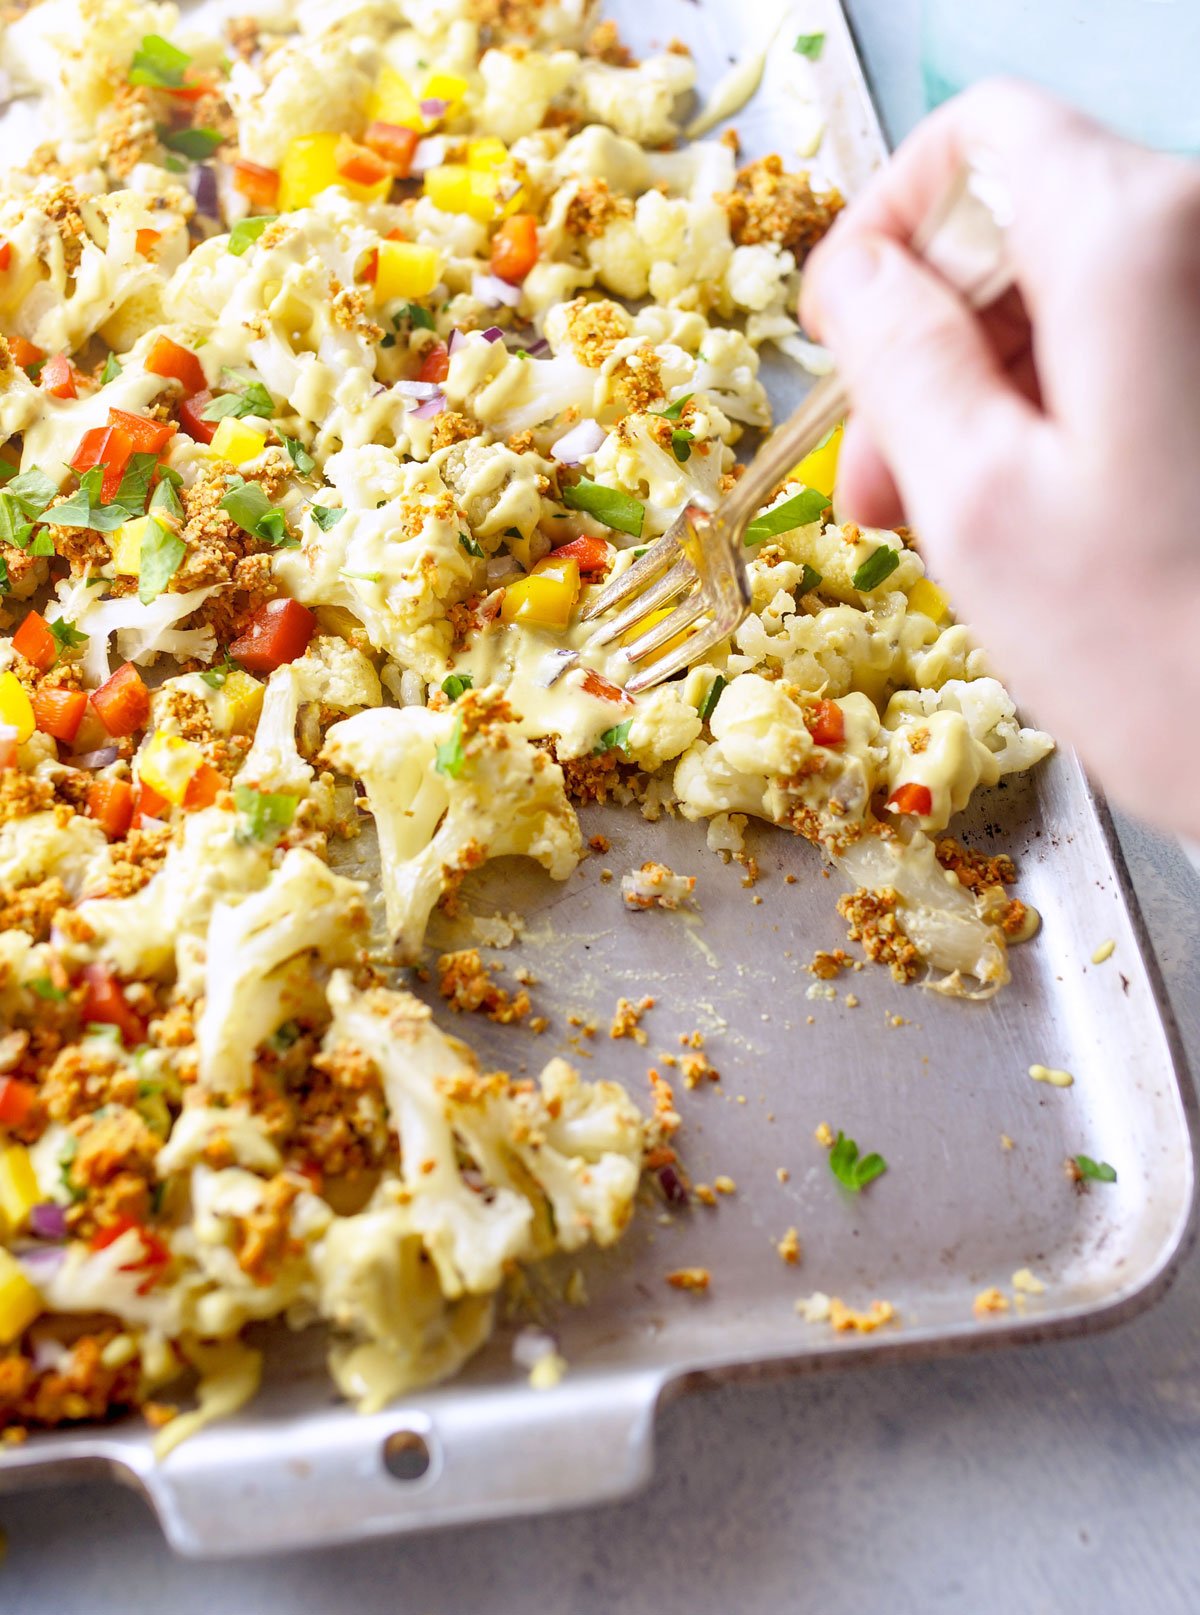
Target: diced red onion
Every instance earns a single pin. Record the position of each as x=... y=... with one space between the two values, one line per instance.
x=508 y=188
x=538 y=349
x=40 y=1262
x=431 y=407
x=500 y=568
x=672 y=1187
x=493 y=334
x=493 y=292
x=48 y=1221
x=434 y=107
x=552 y=667
x=204 y=191
x=580 y=441
x=416 y=389
x=430 y=153
x=456 y=341
x=96 y=759
x=147 y=821
x=49 y=1355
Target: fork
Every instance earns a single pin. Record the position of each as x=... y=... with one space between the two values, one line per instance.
x=702 y=555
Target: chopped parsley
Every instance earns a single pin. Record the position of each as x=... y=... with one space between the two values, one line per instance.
x=254 y=399
x=255 y=514
x=265 y=814
x=456 y=683
x=299 y=456
x=614 y=739
x=216 y=676
x=450 y=755
x=810 y=45
x=158 y=64
x=111 y=370
x=4 y=585
x=673 y=411
x=681 y=444
x=800 y=510
x=419 y=318
x=1095 y=1171
x=810 y=579
x=194 y=143
x=247 y=231
x=66 y=635
x=84 y=509
x=327 y=516
x=46 y=989
x=160 y=557
x=877 y=566
x=608 y=505
x=708 y=705
x=851 y=1170
x=471 y=547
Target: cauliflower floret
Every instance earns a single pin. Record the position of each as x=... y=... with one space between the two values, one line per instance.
x=940 y=753
x=396 y=560
x=597 y=153
x=638 y=458
x=518 y=87
x=305 y=93
x=656 y=886
x=331 y=673
x=496 y=488
x=450 y=790
x=989 y=712
x=663 y=726
x=639 y=102
x=34 y=848
x=144 y=632
x=260 y=958
x=756 y=277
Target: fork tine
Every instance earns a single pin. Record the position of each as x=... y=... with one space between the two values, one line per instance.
x=682 y=576
x=684 y=615
x=694 y=649
x=656 y=559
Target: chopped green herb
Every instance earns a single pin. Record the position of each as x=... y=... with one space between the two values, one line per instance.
x=4 y=585
x=471 y=547
x=253 y=400
x=216 y=676
x=675 y=410
x=810 y=579
x=158 y=64
x=456 y=683
x=327 y=516
x=522 y=353
x=299 y=456
x=83 y=508
x=851 y=1171
x=640 y=551
x=32 y=491
x=708 y=705
x=608 y=505
x=247 y=231
x=799 y=511
x=252 y=510
x=165 y=498
x=419 y=318
x=69 y=1151
x=135 y=484
x=43 y=544
x=66 y=634
x=1097 y=1171
x=367 y=577
x=111 y=370
x=877 y=566
x=810 y=45
x=265 y=814
x=450 y=755
x=46 y=989
x=159 y=558
x=13 y=529
x=681 y=444
x=614 y=739
x=174 y=165
x=194 y=143
x=282 y=1040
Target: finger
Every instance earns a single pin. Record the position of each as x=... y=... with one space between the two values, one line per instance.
x=866 y=491
x=919 y=366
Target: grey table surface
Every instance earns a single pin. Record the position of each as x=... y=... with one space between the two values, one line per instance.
x=1061 y=1477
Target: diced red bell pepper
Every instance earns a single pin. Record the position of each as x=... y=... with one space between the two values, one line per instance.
x=58 y=378
x=16 y=1101
x=145 y=242
x=156 y=1253
x=911 y=798
x=168 y=359
x=147 y=436
x=8 y=752
x=123 y=701
x=105 y=1002
x=148 y=804
x=205 y=785
x=603 y=689
x=359 y=164
x=195 y=85
x=395 y=144
x=589 y=553
x=259 y=185
x=515 y=248
x=110 y=803
x=59 y=712
x=110 y=447
x=35 y=642
x=24 y=353
x=191 y=417
x=5 y=254
x=435 y=366
x=826 y=723
x=278 y=632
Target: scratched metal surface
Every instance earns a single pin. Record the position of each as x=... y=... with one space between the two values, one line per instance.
x=955 y=1212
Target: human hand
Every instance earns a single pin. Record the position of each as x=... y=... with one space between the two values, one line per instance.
x=1048 y=453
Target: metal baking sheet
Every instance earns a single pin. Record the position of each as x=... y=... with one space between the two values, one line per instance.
x=935 y=1085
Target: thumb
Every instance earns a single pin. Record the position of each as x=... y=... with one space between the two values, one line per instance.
x=922 y=375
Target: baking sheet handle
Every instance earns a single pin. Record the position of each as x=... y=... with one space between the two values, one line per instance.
x=494 y=1453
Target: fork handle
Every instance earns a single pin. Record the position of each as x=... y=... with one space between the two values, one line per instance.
x=807 y=426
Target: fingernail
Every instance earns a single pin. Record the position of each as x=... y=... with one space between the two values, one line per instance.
x=844 y=274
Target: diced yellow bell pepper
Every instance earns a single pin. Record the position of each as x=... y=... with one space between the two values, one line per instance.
x=309 y=167
x=449 y=87
x=546 y=597
x=166 y=764
x=405 y=269
x=486 y=154
x=20 y=1303
x=16 y=709
x=392 y=101
x=236 y=442
x=926 y=597
x=819 y=469
x=651 y=620
x=455 y=188
x=19 y=1191
x=243 y=703
x=127 y=547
